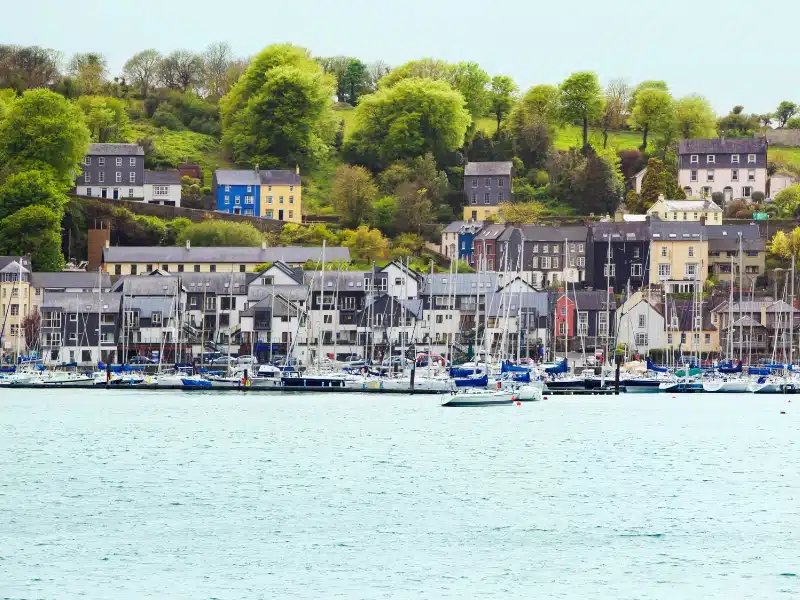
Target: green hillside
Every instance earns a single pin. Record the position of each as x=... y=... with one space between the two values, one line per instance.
x=175 y=147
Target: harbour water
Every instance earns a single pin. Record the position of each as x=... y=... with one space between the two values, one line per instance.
x=176 y=495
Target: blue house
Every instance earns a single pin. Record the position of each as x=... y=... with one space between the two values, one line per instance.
x=457 y=240
x=237 y=192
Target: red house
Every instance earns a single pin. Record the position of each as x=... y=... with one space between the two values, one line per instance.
x=565 y=316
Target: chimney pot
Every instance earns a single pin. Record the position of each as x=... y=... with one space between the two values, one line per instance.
x=108 y=243
x=661 y=196
x=188 y=244
x=263 y=244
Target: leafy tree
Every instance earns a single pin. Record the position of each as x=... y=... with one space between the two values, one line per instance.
x=501 y=97
x=34 y=230
x=355 y=80
x=653 y=183
x=465 y=77
x=31 y=326
x=336 y=66
x=366 y=244
x=407 y=245
x=787 y=201
x=142 y=69
x=765 y=120
x=615 y=107
x=90 y=71
x=375 y=72
x=522 y=212
x=213 y=232
x=793 y=123
x=106 y=118
x=652 y=84
x=785 y=245
x=694 y=117
x=540 y=103
x=581 y=100
x=589 y=182
x=634 y=204
x=414 y=208
x=217 y=60
x=181 y=70
x=7 y=98
x=174 y=230
x=278 y=113
x=785 y=111
x=737 y=124
x=384 y=212
x=407 y=120
x=532 y=142
x=354 y=191
x=43 y=128
x=652 y=110
x=35 y=187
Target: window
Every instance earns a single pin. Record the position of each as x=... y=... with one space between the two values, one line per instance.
x=268 y=214
x=641 y=339
x=14 y=309
x=636 y=270
x=535 y=262
x=130 y=192
x=249 y=188
x=735 y=159
x=711 y=159
x=213 y=268
x=132 y=162
x=696 y=338
x=691 y=270
x=583 y=322
x=664 y=270
x=439 y=319
x=572 y=248
x=535 y=248
x=118 y=161
x=118 y=176
x=117 y=269
x=269 y=199
x=474 y=198
x=580 y=247
x=694 y=175
x=642 y=321
x=134 y=269
x=684 y=216
x=291 y=199
x=197 y=268
x=545 y=248
x=751 y=174
x=609 y=270
x=751 y=159
x=156 y=318
x=693 y=159
x=475 y=182
x=227 y=188
x=500 y=197
x=269 y=188
x=280 y=199
x=248 y=212
x=486 y=198
x=237 y=200
x=669 y=338
x=747 y=191
x=180 y=268
x=555 y=249
x=691 y=251
x=636 y=250
x=562 y=328
x=132 y=177
x=545 y=262
x=87 y=160
x=734 y=174
x=193 y=301
x=602 y=323
x=88 y=191
x=571 y=261
x=581 y=261
x=101 y=177
x=161 y=190
x=487 y=182
x=291 y=214
x=555 y=262
x=710 y=175
x=101 y=162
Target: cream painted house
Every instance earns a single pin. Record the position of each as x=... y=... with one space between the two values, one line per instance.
x=678 y=255
x=735 y=168
x=16 y=301
x=686 y=210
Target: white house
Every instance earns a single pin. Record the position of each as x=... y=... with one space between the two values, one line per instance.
x=641 y=325
x=778 y=182
x=162 y=187
x=735 y=168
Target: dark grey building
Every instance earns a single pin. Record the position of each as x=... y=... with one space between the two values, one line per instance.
x=628 y=260
x=112 y=171
x=486 y=186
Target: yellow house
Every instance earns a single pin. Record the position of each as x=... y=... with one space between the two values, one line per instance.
x=16 y=300
x=686 y=210
x=678 y=256
x=480 y=213
x=690 y=326
x=281 y=195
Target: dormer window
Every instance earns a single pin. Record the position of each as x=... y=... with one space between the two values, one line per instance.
x=751 y=159
x=735 y=159
x=711 y=159
x=693 y=159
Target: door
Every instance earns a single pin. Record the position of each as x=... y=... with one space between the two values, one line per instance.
x=728 y=194
x=104 y=193
x=280 y=215
x=116 y=193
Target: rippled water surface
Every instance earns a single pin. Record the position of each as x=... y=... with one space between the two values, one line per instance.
x=170 y=495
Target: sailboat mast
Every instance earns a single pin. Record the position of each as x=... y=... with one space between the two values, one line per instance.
x=608 y=299
x=322 y=308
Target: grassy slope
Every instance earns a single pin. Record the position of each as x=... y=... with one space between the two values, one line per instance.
x=175 y=147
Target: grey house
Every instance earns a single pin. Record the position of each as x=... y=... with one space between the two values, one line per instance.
x=487 y=185
x=735 y=168
x=112 y=171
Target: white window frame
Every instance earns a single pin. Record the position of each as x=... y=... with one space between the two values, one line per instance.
x=691 y=270
x=609 y=268
x=118 y=177
x=734 y=159
x=87 y=160
x=87 y=177
x=642 y=321
x=118 y=161
x=747 y=191
x=581 y=261
x=711 y=159
x=751 y=175
x=161 y=190
x=583 y=323
x=636 y=270
x=693 y=175
x=691 y=251
x=694 y=159
x=734 y=174
x=486 y=197
x=132 y=177
x=101 y=177
x=132 y=162
x=710 y=175
x=101 y=161
x=474 y=182
x=664 y=270
x=641 y=338
x=751 y=159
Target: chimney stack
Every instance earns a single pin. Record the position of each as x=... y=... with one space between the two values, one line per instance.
x=256 y=167
x=263 y=244
x=108 y=243
x=297 y=169
x=661 y=196
x=188 y=244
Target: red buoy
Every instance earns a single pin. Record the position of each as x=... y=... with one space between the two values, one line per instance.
x=519 y=403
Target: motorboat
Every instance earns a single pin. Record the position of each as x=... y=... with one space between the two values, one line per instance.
x=729 y=385
x=476 y=397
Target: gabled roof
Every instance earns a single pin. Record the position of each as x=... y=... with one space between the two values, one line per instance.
x=277 y=177
x=162 y=177
x=685 y=311
x=237 y=177
x=454 y=227
x=399 y=265
x=591 y=300
x=490 y=232
x=344 y=281
x=14 y=267
x=677 y=231
x=488 y=168
x=726 y=237
x=624 y=231
x=147 y=305
x=295 y=273
x=70 y=279
x=23 y=260
x=115 y=150
x=221 y=254
x=689 y=205
x=219 y=284
x=466 y=284
x=726 y=146
x=82 y=302
x=745 y=321
x=256 y=293
x=145 y=285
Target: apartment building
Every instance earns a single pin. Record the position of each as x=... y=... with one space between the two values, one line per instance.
x=487 y=185
x=735 y=168
x=679 y=255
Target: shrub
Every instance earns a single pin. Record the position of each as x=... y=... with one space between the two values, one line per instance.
x=165 y=117
x=758 y=197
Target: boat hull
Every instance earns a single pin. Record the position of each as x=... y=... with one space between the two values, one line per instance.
x=491 y=399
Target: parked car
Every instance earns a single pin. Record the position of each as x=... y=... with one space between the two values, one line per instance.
x=223 y=360
x=247 y=359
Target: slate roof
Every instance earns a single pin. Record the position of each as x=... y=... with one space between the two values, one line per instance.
x=625 y=231
x=219 y=284
x=685 y=311
x=256 y=293
x=466 y=284
x=348 y=281
x=281 y=306
x=488 y=168
x=594 y=300
x=726 y=237
x=691 y=205
x=14 y=267
x=162 y=177
x=24 y=260
x=454 y=227
x=115 y=150
x=276 y=177
x=500 y=304
x=542 y=233
x=754 y=307
x=237 y=177
x=83 y=302
x=491 y=232
x=147 y=305
x=69 y=279
x=745 y=321
x=726 y=146
x=146 y=285
x=221 y=254
x=676 y=231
